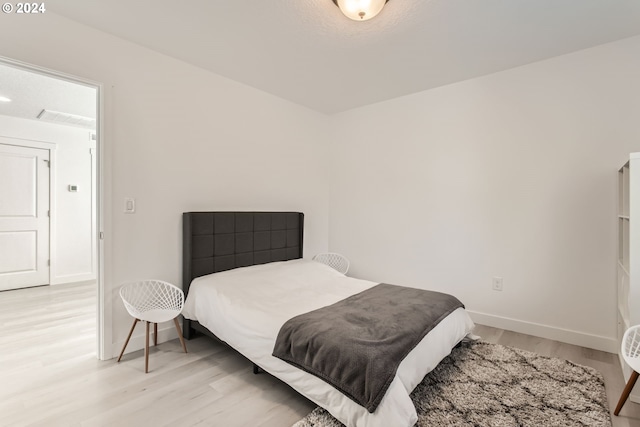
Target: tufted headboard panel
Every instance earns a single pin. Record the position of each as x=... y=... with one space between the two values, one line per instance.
x=219 y=241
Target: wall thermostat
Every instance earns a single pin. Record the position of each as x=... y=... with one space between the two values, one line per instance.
x=73 y=188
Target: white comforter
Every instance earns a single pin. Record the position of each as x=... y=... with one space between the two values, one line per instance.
x=246 y=307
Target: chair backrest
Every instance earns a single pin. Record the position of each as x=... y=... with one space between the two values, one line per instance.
x=336 y=261
x=631 y=347
x=145 y=295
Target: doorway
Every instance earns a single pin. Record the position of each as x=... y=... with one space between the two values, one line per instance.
x=50 y=128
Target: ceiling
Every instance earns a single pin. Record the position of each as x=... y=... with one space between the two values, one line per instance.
x=31 y=92
x=306 y=51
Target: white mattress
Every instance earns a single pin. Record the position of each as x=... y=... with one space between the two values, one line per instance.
x=246 y=307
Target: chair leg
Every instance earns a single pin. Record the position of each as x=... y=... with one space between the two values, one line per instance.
x=155 y=334
x=146 y=351
x=626 y=392
x=135 y=322
x=184 y=346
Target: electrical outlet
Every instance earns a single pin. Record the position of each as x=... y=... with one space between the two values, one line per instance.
x=497 y=283
x=129 y=205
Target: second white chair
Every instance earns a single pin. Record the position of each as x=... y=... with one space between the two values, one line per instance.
x=631 y=354
x=336 y=261
x=152 y=301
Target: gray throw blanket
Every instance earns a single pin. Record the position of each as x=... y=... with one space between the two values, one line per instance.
x=357 y=344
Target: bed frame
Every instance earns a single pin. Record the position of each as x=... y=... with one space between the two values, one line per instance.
x=219 y=241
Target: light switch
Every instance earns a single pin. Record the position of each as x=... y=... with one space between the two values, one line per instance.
x=129 y=205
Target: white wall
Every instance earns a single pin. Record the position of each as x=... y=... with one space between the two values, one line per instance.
x=511 y=175
x=75 y=239
x=72 y=232
x=178 y=138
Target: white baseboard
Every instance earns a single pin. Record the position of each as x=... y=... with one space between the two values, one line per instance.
x=596 y=342
x=72 y=278
x=166 y=332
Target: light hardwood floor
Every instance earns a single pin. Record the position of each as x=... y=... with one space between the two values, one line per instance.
x=49 y=375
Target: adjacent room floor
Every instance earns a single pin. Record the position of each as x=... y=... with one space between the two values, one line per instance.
x=49 y=374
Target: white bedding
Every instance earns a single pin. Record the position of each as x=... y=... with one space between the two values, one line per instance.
x=246 y=307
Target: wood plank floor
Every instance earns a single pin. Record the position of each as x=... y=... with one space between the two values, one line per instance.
x=49 y=375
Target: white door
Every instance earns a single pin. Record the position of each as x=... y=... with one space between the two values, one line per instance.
x=24 y=216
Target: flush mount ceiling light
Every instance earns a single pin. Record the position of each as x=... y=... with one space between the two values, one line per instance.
x=4 y=99
x=360 y=10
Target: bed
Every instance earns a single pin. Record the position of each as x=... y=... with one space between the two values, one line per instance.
x=261 y=281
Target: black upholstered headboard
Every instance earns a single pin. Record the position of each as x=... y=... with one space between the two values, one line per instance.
x=218 y=241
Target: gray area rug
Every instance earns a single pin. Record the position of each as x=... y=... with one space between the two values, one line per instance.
x=482 y=384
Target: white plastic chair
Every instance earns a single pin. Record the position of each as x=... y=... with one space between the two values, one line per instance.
x=336 y=261
x=631 y=355
x=152 y=301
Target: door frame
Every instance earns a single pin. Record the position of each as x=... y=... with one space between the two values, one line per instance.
x=104 y=304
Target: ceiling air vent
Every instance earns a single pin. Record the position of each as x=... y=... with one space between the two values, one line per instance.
x=67 y=119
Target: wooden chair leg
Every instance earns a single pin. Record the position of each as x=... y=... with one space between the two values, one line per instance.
x=184 y=346
x=155 y=334
x=146 y=351
x=626 y=392
x=135 y=322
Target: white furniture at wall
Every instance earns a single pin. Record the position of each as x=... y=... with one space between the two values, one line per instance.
x=152 y=301
x=628 y=276
x=336 y=261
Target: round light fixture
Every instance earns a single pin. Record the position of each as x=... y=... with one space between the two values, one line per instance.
x=4 y=99
x=360 y=10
